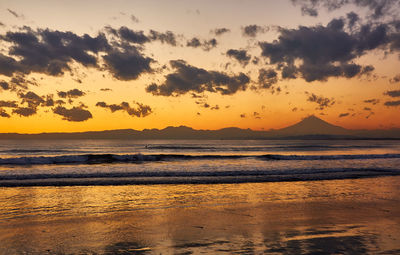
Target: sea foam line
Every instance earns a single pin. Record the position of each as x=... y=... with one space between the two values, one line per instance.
x=197 y=179
x=139 y=158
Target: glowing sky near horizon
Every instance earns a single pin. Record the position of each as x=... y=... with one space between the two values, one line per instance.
x=100 y=65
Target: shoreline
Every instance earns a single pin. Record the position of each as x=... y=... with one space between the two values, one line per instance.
x=182 y=180
x=357 y=216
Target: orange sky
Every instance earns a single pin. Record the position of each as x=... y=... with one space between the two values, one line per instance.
x=125 y=67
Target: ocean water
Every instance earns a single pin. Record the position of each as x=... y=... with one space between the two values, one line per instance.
x=200 y=197
x=113 y=162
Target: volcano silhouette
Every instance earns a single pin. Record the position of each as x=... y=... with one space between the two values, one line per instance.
x=313 y=125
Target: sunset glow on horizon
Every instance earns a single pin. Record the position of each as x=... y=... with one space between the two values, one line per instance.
x=102 y=65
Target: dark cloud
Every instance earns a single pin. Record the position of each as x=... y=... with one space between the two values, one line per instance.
x=59 y=102
x=313 y=72
x=202 y=104
x=9 y=104
x=167 y=37
x=33 y=101
x=53 y=52
x=112 y=107
x=309 y=11
x=14 y=13
x=31 y=98
x=395 y=79
x=49 y=101
x=128 y=64
x=25 y=111
x=367 y=70
x=73 y=93
x=195 y=42
x=323 y=51
x=134 y=19
x=323 y=102
x=50 y=52
x=376 y=8
x=352 y=18
x=392 y=103
x=372 y=101
x=188 y=78
x=21 y=82
x=4 y=85
x=242 y=115
x=253 y=30
x=220 y=31
x=205 y=45
x=367 y=109
x=128 y=35
x=255 y=60
x=395 y=42
x=140 y=110
x=344 y=115
x=4 y=114
x=105 y=89
x=8 y=65
x=216 y=107
x=393 y=93
x=194 y=95
x=289 y=72
x=208 y=45
x=369 y=115
x=240 y=55
x=75 y=114
x=132 y=36
x=267 y=78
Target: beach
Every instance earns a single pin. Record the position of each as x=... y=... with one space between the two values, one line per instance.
x=351 y=216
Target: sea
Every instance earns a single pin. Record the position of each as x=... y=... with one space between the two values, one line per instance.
x=117 y=162
x=200 y=197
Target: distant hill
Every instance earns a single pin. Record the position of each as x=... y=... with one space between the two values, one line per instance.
x=311 y=127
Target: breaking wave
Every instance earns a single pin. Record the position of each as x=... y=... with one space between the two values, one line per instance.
x=141 y=158
x=189 y=177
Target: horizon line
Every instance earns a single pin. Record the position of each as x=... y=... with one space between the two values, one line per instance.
x=178 y=126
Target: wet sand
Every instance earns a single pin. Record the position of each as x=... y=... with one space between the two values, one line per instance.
x=354 y=216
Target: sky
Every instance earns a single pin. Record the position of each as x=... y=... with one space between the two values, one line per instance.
x=70 y=66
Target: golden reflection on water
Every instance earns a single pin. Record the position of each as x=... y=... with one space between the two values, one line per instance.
x=342 y=216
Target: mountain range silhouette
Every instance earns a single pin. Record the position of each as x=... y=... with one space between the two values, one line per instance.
x=310 y=127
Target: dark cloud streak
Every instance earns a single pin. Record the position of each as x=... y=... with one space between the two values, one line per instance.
x=75 y=114
x=323 y=102
x=240 y=55
x=220 y=31
x=73 y=93
x=188 y=78
x=253 y=30
x=139 y=111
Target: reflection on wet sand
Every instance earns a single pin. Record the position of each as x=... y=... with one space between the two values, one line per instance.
x=321 y=217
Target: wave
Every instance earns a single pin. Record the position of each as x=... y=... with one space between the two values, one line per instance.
x=140 y=158
x=274 y=147
x=33 y=151
x=190 y=177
